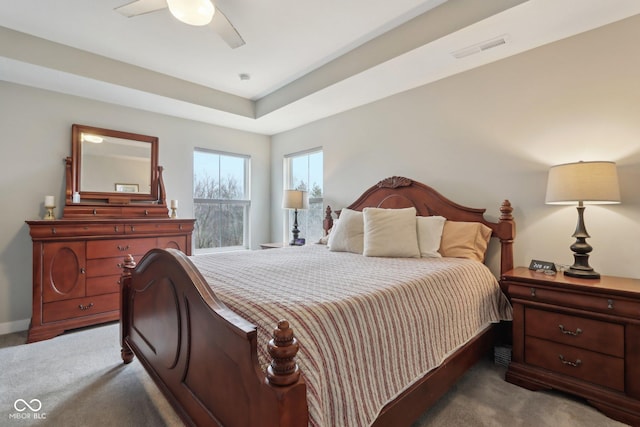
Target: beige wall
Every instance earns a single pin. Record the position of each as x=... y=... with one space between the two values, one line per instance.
x=36 y=137
x=491 y=134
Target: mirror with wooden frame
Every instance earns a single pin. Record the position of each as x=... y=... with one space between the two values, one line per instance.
x=115 y=174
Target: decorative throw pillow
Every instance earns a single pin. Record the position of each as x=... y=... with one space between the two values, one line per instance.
x=465 y=240
x=429 y=235
x=390 y=233
x=347 y=234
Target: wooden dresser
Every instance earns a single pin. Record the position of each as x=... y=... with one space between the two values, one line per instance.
x=77 y=266
x=581 y=336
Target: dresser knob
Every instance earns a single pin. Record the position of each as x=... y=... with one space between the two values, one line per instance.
x=610 y=304
x=95 y=212
x=577 y=363
x=533 y=292
x=146 y=212
x=566 y=332
x=53 y=230
x=82 y=270
x=115 y=228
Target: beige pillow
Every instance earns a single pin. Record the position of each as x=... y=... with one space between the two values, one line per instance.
x=465 y=240
x=347 y=233
x=429 y=235
x=390 y=233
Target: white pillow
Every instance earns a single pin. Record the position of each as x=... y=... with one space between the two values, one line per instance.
x=429 y=235
x=347 y=233
x=390 y=233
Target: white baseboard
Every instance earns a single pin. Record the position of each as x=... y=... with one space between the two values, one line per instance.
x=15 y=326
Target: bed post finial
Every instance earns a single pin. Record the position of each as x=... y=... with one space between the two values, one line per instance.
x=327 y=224
x=505 y=211
x=283 y=348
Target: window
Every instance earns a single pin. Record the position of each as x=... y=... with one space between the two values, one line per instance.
x=303 y=171
x=221 y=200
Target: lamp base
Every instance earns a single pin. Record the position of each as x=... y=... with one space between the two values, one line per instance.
x=583 y=274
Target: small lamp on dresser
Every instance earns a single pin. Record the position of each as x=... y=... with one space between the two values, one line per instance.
x=582 y=183
x=295 y=199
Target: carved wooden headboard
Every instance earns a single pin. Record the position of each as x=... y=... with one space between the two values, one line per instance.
x=399 y=192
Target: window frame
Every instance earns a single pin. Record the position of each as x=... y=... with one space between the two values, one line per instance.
x=288 y=184
x=245 y=201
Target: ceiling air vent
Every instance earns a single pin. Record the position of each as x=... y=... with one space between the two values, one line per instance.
x=481 y=47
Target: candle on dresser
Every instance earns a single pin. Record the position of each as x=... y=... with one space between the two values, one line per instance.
x=49 y=201
x=174 y=204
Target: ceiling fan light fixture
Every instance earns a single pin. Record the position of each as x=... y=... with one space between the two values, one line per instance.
x=192 y=12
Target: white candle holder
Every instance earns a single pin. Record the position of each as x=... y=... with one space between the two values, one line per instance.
x=49 y=205
x=174 y=208
x=49 y=215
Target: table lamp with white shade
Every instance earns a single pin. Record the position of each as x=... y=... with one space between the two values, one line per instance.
x=295 y=199
x=582 y=183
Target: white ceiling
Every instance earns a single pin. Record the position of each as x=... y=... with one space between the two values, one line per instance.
x=306 y=59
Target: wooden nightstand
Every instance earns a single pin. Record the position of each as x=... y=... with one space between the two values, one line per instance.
x=580 y=336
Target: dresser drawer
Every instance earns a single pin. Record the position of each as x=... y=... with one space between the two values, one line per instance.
x=603 y=337
x=79 y=307
x=586 y=365
x=160 y=227
x=75 y=230
x=107 y=266
x=119 y=247
x=103 y=285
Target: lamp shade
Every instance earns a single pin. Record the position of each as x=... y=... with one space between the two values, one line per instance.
x=295 y=199
x=192 y=12
x=588 y=182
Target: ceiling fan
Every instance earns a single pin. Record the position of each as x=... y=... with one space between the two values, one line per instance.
x=192 y=12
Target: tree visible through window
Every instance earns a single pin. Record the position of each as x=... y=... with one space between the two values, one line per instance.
x=303 y=171
x=220 y=199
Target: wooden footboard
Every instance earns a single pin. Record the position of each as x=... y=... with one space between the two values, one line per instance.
x=209 y=373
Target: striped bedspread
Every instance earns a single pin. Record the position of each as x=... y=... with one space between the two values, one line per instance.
x=367 y=327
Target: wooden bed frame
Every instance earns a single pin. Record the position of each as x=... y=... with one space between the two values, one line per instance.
x=204 y=357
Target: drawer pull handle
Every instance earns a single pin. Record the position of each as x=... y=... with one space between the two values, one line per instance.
x=122 y=248
x=146 y=212
x=180 y=227
x=133 y=228
x=610 y=304
x=82 y=270
x=85 y=307
x=115 y=228
x=95 y=212
x=119 y=265
x=566 y=332
x=53 y=230
x=577 y=363
x=533 y=292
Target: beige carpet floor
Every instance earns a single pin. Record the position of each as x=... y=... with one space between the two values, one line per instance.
x=79 y=380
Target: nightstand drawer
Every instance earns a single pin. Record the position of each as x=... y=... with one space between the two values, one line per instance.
x=586 y=365
x=609 y=305
x=603 y=337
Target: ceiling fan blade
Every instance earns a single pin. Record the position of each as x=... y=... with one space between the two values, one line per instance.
x=226 y=30
x=140 y=7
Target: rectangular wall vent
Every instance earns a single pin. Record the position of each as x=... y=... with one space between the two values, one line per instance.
x=481 y=47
